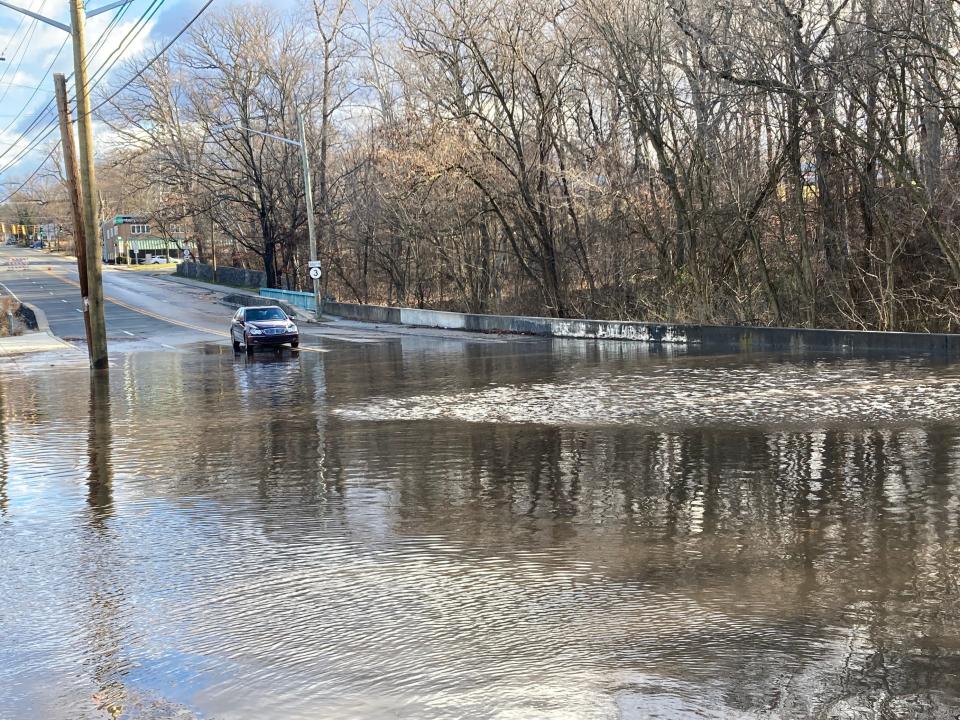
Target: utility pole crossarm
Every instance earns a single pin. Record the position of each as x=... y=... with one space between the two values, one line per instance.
x=37 y=16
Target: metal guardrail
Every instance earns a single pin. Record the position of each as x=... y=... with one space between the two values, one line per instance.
x=302 y=300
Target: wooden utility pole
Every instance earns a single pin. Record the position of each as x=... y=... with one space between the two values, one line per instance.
x=93 y=300
x=73 y=190
x=93 y=307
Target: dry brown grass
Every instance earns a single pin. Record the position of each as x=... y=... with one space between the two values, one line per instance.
x=8 y=305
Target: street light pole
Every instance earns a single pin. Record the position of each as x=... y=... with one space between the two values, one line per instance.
x=308 y=200
x=307 y=187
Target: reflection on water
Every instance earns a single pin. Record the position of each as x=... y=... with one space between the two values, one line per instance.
x=310 y=537
x=103 y=586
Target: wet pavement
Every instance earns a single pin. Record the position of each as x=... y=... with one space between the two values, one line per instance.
x=141 y=312
x=419 y=528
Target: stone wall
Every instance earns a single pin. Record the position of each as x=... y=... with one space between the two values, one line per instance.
x=237 y=277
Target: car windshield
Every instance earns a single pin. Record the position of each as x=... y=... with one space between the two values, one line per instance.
x=256 y=314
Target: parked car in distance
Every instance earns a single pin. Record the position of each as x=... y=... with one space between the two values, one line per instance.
x=158 y=260
x=261 y=326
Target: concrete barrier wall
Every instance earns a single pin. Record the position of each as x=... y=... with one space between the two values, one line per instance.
x=364 y=313
x=707 y=337
x=227 y=275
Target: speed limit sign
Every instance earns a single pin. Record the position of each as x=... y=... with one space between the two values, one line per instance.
x=315 y=273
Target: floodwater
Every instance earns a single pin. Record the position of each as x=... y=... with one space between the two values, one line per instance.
x=522 y=529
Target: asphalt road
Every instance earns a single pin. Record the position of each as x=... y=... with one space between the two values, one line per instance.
x=147 y=311
x=138 y=309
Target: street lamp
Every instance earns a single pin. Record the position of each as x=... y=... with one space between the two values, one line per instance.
x=307 y=191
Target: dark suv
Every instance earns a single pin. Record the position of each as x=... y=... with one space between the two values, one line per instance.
x=257 y=326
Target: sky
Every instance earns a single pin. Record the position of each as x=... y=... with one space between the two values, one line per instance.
x=33 y=51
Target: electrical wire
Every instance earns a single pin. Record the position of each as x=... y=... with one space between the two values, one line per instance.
x=106 y=100
x=156 y=57
x=21 y=45
x=28 y=38
x=30 y=147
x=46 y=130
x=32 y=175
x=94 y=79
x=37 y=88
x=23 y=19
x=50 y=103
x=124 y=43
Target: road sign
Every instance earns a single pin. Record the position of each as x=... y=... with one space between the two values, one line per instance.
x=316 y=273
x=315 y=264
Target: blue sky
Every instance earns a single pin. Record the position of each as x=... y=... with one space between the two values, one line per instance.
x=34 y=50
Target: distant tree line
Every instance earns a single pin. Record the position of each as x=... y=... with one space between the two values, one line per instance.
x=792 y=162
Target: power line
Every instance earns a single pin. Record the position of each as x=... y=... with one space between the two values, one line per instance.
x=106 y=100
x=48 y=129
x=23 y=19
x=49 y=105
x=28 y=37
x=21 y=45
x=33 y=145
x=156 y=57
x=99 y=74
x=125 y=42
x=32 y=175
x=37 y=88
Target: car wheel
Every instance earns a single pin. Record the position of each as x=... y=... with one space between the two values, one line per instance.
x=295 y=344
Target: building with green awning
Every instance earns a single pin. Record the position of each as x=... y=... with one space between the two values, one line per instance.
x=132 y=239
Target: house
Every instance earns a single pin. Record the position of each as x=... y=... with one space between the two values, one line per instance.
x=132 y=239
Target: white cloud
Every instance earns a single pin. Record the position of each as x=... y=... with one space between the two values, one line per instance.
x=27 y=68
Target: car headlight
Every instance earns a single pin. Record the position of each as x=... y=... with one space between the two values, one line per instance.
x=255 y=331
x=291 y=327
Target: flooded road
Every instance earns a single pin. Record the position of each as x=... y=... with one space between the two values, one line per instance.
x=517 y=529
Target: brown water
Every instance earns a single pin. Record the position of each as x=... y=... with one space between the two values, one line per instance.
x=496 y=530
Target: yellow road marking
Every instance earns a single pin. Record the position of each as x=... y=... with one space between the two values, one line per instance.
x=155 y=316
x=141 y=311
